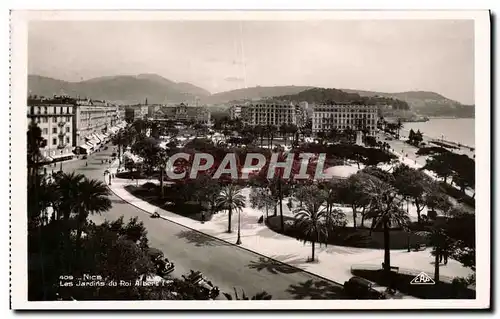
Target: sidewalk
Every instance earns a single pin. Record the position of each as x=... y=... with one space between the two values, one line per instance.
x=334 y=261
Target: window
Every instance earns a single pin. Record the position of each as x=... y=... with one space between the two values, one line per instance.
x=67 y=139
x=54 y=141
x=54 y=130
x=54 y=119
x=45 y=131
x=67 y=129
x=45 y=120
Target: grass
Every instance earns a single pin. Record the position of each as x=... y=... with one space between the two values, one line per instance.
x=348 y=236
x=401 y=282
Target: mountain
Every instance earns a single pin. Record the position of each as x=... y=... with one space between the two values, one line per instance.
x=123 y=89
x=253 y=93
x=426 y=103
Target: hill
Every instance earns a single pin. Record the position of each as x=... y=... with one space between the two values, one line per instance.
x=253 y=93
x=425 y=103
x=122 y=89
x=319 y=95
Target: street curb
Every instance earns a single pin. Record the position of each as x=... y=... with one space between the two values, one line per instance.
x=225 y=241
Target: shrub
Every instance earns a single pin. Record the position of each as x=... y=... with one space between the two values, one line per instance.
x=149 y=185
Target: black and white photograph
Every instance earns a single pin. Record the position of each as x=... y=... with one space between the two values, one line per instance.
x=297 y=160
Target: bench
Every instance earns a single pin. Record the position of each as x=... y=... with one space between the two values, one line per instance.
x=396 y=269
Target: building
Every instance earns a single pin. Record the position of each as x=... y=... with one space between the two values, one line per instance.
x=132 y=114
x=272 y=113
x=137 y=111
x=94 y=122
x=184 y=112
x=235 y=112
x=72 y=126
x=342 y=116
x=55 y=117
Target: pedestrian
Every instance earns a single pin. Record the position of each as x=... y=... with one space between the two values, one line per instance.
x=203 y=217
x=440 y=257
x=445 y=255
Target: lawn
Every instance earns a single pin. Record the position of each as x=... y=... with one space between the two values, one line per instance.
x=401 y=282
x=150 y=193
x=348 y=236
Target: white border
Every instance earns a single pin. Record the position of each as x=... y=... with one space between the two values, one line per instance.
x=18 y=160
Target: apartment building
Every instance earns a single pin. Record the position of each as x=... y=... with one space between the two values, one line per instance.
x=55 y=118
x=271 y=113
x=235 y=112
x=341 y=116
x=94 y=120
x=72 y=126
x=184 y=112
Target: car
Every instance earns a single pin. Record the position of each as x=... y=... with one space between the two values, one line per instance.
x=163 y=265
x=389 y=138
x=360 y=288
x=197 y=278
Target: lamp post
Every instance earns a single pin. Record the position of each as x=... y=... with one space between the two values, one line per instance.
x=238 y=240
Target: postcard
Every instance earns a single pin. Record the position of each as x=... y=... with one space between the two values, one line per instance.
x=250 y=160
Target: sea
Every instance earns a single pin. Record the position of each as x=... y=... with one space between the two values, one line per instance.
x=454 y=130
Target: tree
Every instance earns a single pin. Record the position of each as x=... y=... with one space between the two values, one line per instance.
x=399 y=126
x=231 y=199
x=386 y=211
x=312 y=218
x=353 y=193
x=261 y=198
x=440 y=164
x=93 y=198
x=35 y=142
x=412 y=184
x=439 y=240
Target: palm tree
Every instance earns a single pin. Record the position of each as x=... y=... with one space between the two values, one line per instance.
x=231 y=199
x=386 y=211
x=161 y=159
x=437 y=238
x=93 y=198
x=312 y=218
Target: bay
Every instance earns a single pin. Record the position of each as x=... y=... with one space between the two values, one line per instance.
x=460 y=130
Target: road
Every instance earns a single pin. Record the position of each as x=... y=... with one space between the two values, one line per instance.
x=226 y=265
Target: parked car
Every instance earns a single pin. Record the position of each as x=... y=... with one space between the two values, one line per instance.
x=360 y=288
x=163 y=265
x=84 y=157
x=197 y=278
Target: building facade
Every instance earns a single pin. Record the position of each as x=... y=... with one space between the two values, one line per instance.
x=55 y=118
x=326 y=117
x=72 y=126
x=184 y=112
x=235 y=112
x=272 y=113
x=94 y=119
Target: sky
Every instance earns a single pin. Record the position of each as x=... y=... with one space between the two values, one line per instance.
x=373 y=55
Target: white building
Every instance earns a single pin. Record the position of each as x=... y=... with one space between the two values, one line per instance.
x=55 y=118
x=342 y=116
